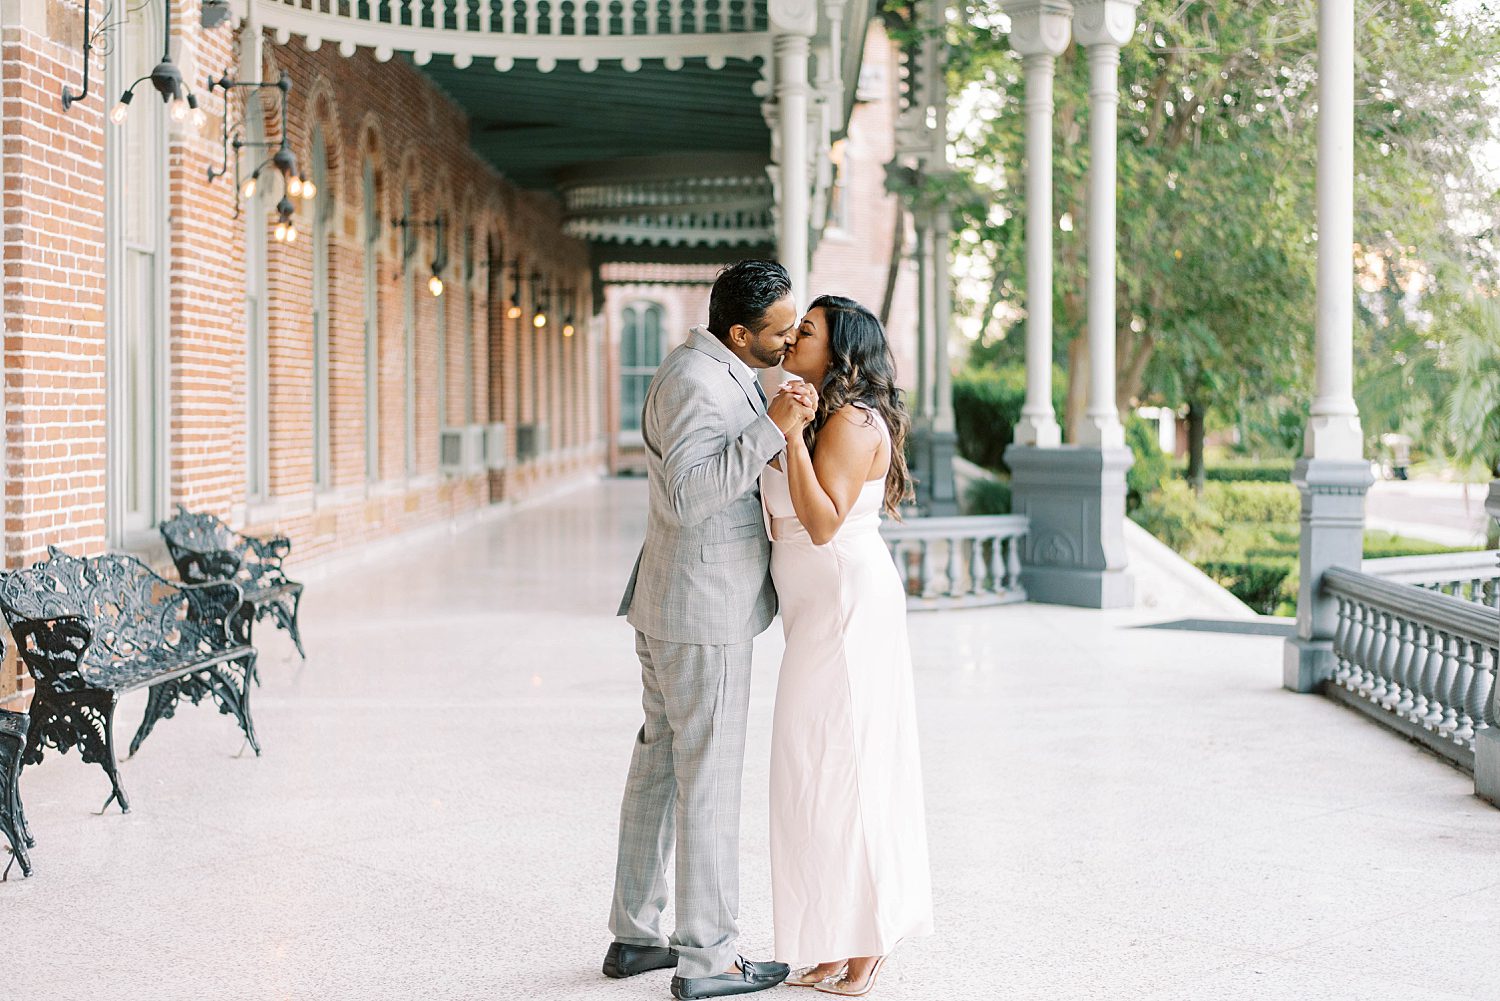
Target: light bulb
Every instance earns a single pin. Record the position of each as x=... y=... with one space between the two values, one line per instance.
x=539 y=320
x=117 y=115
x=513 y=313
x=281 y=228
x=309 y=190
x=435 y=285
x=248 y=188
x=291 y=233
x=179 y=110
x=567 y=330
x=200 y=118
x=294 y=187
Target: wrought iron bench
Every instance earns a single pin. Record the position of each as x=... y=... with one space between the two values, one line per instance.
x=90 y=630
x=12 y=821
x=205 y=550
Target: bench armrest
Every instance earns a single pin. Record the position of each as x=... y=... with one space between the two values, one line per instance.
x=53 y=650
x=214 y=614
x=207 y=567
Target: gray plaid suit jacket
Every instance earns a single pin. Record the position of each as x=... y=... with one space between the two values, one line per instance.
x=703 y=574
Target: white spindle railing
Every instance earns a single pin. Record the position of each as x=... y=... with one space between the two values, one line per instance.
x=1421 y=661
x=624 y=29
x=958 y=562
x=1473 y=576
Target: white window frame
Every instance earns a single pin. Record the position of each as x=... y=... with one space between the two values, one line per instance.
x=322 y=234
x=126 y=526
x=409 y=343
x=257 y=353
x=371 y=226
x=636 y=312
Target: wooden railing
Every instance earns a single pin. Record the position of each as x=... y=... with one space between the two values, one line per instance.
x=959 y=562
x=1420 y=661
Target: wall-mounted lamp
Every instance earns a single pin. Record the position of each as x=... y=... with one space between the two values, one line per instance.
x=166 y=78
x=539 y=318
x=513 y=309
x=294 y=184
x=568 y=328
x=439 y=224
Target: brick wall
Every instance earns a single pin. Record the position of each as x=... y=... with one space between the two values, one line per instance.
x=52 y=245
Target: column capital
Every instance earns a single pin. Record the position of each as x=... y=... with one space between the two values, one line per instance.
x=1104 y=22
x=1039 y=27
x=793 y=18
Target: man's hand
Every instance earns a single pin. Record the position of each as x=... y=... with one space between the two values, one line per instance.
x=789 y=411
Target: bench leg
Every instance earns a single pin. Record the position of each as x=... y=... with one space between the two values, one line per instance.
x=85 y=720
x=285 y=610
x=246 y=668
x=12 y=820
x=161 y=703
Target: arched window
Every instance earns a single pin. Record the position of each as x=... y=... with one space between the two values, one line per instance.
x=640 y=354
x=135 y=284
x=372 y=324
x=409 y=341
x=257 y=354
x=321 y=234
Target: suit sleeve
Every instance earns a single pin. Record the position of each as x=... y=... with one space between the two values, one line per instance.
x=704 y=474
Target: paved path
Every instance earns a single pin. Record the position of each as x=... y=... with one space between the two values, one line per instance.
x=1449 y=513
x=1115 y=812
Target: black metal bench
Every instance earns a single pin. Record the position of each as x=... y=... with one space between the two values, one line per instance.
x=205 y=550
x=90 y=630
x=12 y=820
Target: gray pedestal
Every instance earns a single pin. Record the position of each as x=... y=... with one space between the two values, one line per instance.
x=1333 y=530
x=931 y=455
x=1075 y=498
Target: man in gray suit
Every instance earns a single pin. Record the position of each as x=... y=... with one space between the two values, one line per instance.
x=700 y=592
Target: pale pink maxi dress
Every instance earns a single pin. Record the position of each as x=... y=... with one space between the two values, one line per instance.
x=849 y=868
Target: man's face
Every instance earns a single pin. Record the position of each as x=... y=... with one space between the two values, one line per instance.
x=778 y=332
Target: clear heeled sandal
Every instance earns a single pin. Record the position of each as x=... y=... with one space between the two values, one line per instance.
x=804 y=977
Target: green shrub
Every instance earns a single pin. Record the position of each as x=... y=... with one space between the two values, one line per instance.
x=986 y=408
x=1379 y=545
x=1255 y=503
x=987 y=497
x=1150 y=467
x=1267 y=584
x=1246 y=471
x=1177 y=517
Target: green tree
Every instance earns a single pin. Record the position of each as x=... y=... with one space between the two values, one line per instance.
x=1216 y=196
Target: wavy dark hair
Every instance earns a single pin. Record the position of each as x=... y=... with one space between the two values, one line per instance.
x=861 y=369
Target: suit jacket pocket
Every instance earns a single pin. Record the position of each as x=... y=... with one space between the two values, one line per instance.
x=734 y=551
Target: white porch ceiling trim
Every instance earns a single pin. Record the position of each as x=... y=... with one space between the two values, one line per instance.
x=497 y=32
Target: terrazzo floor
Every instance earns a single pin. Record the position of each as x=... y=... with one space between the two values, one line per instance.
x=1115 y=812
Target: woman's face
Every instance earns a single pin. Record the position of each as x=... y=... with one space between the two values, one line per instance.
x=808 y=358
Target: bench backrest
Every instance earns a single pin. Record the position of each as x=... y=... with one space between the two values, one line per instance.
x=126 y=606
x=192 y=535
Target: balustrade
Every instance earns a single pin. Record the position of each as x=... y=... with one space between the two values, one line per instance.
x=1421 y=659
x=958 y=562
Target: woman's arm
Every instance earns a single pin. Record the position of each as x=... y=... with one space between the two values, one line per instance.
x=825 y=488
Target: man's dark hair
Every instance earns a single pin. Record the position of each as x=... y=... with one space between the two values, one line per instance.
x=743 y=293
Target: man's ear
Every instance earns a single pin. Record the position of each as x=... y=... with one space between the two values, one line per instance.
x=740 y=334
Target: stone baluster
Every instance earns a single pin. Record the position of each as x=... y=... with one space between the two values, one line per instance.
x=1456 y=718
x=1432 y=682
x=1477 y=697
x=1343 y=665
x=1403 y=705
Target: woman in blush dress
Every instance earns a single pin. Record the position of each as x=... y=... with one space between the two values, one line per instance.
x=849 y=869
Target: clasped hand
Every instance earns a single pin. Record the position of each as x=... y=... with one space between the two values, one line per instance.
x=794 y=407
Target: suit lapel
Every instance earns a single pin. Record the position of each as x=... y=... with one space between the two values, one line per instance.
x=710 y=345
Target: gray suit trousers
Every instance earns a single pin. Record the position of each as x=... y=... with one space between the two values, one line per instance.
x=685 y=773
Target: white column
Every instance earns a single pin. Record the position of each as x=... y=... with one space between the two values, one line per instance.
x=1039 y=31
x=1334 y=430
x=1102 y=26
x=792 y=91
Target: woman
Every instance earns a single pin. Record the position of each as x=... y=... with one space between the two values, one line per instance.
x=849 y=866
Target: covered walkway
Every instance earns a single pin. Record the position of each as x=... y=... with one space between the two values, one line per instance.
x=1116 y=811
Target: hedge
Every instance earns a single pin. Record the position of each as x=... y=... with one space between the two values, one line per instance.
x=987 y=406
x=1247 y=471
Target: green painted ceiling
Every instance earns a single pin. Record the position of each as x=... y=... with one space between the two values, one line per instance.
x=531 y=124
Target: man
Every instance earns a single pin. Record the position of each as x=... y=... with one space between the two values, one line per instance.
x=700 y=592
